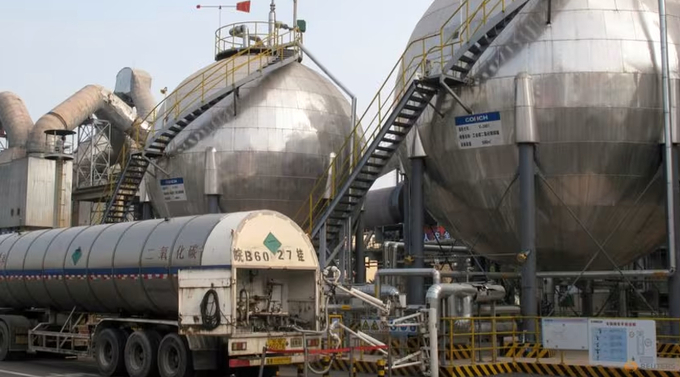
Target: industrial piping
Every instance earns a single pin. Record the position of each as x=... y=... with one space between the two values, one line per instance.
x=14 y=119
x=434 y=295
x=74 y=111
x=436 y=277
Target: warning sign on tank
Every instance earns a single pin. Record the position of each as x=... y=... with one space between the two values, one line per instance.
x=479 y=130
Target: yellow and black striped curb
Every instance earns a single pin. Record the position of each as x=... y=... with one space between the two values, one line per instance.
x=589 y=371
x=669 y=350
x=543 y=369
x=458 y=352
x=477 y=370
x=531 y=350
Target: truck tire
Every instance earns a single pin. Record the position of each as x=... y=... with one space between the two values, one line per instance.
x=141 y=354
x=5 y=341
x=174 y=357
x=109 y=352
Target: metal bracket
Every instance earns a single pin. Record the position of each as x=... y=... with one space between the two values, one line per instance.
x=156 y=166
x=442 y=81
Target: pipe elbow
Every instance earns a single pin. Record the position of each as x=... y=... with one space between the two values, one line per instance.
x=14 y=119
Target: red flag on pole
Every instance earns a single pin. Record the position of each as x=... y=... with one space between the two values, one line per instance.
x=243 y=6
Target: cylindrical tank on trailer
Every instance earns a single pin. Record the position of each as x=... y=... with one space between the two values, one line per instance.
x=129 y=267
x=595 y=68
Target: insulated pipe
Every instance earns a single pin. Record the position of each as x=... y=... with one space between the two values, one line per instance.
x=386 y=291
x=561 y=274
x=434 y=295
x=211 y=182
x=436 y=277
x=74 y=111
x=14 y=119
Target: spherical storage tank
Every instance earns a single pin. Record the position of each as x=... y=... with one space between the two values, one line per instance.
x=271 y=145
x=595 y=70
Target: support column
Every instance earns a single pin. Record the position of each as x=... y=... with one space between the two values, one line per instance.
x=211 y=184
x=587 y=299
x=416 y=284
x=147 y=211
x=623 y=300
x=322 y=247
x=674 y=279
x=360 y=252
x=526 y=134
x=669 y=96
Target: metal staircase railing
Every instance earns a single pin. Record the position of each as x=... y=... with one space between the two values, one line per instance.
x=414 y=80
x=184 y=105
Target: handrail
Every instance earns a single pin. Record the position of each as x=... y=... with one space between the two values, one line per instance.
x=385 y=100
x=175 y=104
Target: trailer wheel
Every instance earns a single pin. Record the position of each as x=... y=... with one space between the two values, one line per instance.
x=174 y=357
x=4 y=342
x=110 y=352
x=141 y=354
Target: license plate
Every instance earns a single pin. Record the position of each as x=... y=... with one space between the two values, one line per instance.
x=276 y=344
x=280 y=360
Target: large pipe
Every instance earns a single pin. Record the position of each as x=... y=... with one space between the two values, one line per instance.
x=74 y=111
x=14 y=119
x=561 y=274
x=436 y=277
x=434 y=295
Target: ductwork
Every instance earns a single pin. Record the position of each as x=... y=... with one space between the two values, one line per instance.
x=14 y=120
x=74 y=111
x=134 y=87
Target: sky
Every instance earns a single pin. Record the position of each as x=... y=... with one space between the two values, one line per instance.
x=49 y=49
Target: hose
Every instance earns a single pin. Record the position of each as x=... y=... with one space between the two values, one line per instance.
x=210 y=320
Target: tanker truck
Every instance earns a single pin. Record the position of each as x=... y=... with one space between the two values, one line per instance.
x=165 y=297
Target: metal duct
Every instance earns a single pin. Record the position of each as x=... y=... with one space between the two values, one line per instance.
x=384 y=207
x=74 y=111
x=134 y=87
x=14 y=119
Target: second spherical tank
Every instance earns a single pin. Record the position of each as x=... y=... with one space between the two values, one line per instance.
x=595 y=68
x=271 y=145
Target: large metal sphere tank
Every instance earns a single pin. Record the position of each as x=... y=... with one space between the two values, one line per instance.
x=595 y=70
x=272 y=145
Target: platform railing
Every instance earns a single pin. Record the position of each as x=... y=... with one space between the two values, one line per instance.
x=502 y=338
x=415 y=62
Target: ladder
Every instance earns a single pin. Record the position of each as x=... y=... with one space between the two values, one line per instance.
x=337 y=197
x=186 y=104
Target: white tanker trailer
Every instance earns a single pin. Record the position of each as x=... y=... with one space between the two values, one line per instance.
x=164 y=297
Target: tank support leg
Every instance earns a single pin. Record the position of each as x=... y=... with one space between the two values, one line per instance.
x=360 y=252
x=416 y=284
x=674 y=280
x=527 y=191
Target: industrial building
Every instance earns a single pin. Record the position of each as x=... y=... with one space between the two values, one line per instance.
x=508 y=202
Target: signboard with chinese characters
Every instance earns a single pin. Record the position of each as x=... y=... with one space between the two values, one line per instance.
x=173 y=189
x=565 y=333
x=479 y=130
x=622 y=342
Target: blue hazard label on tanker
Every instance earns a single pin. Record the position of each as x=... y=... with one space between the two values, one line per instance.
x=75 y=257
x=272 y=243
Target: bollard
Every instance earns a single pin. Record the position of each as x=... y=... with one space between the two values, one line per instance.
x=381 y=368
x=301 y=370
